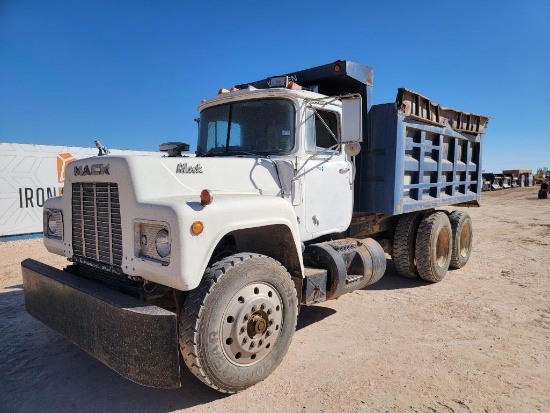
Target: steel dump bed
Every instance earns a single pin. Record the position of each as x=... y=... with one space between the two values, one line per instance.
x=419 y=155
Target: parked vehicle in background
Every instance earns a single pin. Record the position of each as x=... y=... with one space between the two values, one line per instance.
x=541 y=175
x=519 y=177
x=487 y=181
x=543 y=191
x=495 y=180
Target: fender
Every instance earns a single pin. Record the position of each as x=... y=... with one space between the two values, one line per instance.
x=226 y=214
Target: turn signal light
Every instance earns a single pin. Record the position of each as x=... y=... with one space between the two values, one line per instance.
x=197 y=227
x=206 y=197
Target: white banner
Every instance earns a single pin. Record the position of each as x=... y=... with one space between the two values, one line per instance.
x=30 y=174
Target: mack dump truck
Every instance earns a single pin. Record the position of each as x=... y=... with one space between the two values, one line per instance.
x=299 y=188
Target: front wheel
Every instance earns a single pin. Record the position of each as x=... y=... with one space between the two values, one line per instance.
x=236 y=326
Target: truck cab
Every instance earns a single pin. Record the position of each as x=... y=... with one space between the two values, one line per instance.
x=299 y=133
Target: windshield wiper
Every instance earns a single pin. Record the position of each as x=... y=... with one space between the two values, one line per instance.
x=240 y=153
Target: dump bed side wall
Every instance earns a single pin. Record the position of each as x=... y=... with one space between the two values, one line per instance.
x=410 y=165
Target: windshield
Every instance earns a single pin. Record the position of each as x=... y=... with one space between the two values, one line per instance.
x=262 y=126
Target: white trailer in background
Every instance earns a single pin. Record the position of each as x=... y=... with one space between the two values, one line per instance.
x=30 y=174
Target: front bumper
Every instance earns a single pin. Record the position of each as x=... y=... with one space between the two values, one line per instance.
x=137 y=340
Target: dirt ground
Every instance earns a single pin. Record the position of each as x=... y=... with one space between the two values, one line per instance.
x=479 y=341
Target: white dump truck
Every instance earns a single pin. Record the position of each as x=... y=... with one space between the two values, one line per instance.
x=299 y=188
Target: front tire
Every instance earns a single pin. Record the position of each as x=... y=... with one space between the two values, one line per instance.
x=236 y=326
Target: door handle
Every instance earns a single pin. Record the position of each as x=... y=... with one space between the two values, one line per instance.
x=344 y=170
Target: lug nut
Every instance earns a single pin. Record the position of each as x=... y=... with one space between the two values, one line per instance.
x=242 y=330
x=245 y=340
x=254 y=308
x=262 y=307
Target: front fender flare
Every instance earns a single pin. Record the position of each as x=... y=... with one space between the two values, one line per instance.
x=229 y=213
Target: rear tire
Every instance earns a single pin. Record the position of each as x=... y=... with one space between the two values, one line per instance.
x=544 y=194
x=236 y=327
x=404 y=244
x=434 y=246
x=461 y=223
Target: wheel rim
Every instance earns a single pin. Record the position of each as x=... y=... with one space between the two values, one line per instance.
x=465 y=240
x=251 y=324
x=442 y=247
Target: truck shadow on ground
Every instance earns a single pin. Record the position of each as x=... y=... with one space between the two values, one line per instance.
x=42 y=371
x=312 y=315
x=393 y=281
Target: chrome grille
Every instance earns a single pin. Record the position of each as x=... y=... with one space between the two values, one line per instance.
x=97 y=231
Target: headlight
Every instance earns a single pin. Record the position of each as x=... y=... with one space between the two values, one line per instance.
x=163 y=243
x=53 y=224
x=152 y=241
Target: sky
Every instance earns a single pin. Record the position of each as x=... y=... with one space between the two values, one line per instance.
x=132 y=73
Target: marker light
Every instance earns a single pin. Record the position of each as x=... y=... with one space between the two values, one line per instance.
x=234 y=89
x=206 y=197
x=222 y=90
x=197 y=227
x=295 y=86
x=337 y=68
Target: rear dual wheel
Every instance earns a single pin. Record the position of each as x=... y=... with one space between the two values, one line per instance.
x=426 y=245
x=461 y=224
x=433 y=249
x=404 y=241
x=236 y=326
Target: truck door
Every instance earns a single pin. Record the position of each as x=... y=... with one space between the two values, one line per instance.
x=328 y=176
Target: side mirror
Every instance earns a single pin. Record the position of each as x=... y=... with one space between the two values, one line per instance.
x=352 y=119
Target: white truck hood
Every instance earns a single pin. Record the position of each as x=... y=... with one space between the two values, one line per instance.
x=154 y=178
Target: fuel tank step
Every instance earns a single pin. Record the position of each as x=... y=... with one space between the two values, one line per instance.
x=350 y=264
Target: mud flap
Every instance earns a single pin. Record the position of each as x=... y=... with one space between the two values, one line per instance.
x=137 y=340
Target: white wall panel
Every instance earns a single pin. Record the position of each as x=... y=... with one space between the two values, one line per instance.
x=30 y=174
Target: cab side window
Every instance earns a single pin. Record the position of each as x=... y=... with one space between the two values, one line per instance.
x=318 y=138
